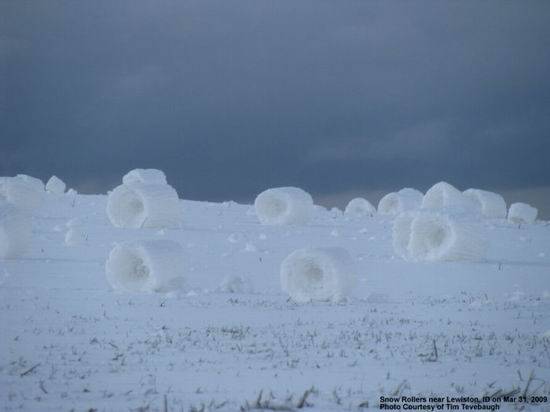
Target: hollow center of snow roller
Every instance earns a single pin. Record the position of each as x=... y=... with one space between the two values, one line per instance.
x=129 y=210
x=436 y=236
x=309 y=275
x=130 y=269
x=273 y=207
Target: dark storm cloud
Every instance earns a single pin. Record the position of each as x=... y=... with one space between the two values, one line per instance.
x=231 y=97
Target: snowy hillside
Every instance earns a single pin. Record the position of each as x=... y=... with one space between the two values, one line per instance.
x=230 y=338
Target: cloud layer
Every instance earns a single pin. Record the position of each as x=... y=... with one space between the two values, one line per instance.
x=232 y=97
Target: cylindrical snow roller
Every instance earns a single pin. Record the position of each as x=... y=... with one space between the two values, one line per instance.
x=22 y=191
x=401 y=201
x=15 y=232
x=148 y=266
x=145 y=176
x=444 y=196
x=284 y=206
x=144 y=205
x=522 y=213
x=440 y=237
x=318 y=274
x=401 y=234
x=360 y=207
x=56 y=186
x=491 y=205
x=32 y=182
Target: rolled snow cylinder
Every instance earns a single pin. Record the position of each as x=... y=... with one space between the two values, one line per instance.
x=440 y=237
x=148 y=266
x=401 y=234
x=284 y=206
x=55 y=186
x=32 y=182
x=15 y=232
x=318 y=274
x=401 y=201
x=522 y=213
x=444 y=196
x=24 y=192
x=491 y=205
x=142 y=205
x=360 y=207
x=146 y=176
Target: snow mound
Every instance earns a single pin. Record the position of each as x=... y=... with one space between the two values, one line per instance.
x=75 y=236
x=146 y=176
x=522 y=213
x=318 y=274
x=24 y=192
x=147 y=266
x=492 y=205
x=444 y=196
x=435 y=237
x=235 y=284
x=401 y=234
x=15 y=232
x=401 y=201
x=140 y=205
x=360 y=207
x=284 y=206
x=55 y=186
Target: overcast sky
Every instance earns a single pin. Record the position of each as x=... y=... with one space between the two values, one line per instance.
x=231 y=97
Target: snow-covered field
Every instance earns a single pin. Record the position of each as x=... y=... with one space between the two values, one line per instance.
x=231 y=339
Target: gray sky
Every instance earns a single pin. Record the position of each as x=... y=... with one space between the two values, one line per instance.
x=229 y=98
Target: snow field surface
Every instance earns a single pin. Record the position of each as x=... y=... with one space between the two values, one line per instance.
x=139 y=205
x=318 y=274
x=359 y=207
x=284 y=206
x=401 y=201
x=146 y=266
x=522 y=213
x=407 y=327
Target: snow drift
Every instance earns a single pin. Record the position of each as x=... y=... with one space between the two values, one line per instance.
x=55 y=186
x=436 y=237
x=24 y=192
x=15 y=232
x=401 y=201
x=444 y=196
x=322 y=274
x=147 y=176
x=360 y=207
x=139 y=205
x=490 y=204
x=284 y=206
x=522 y=213
x=148 y=266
